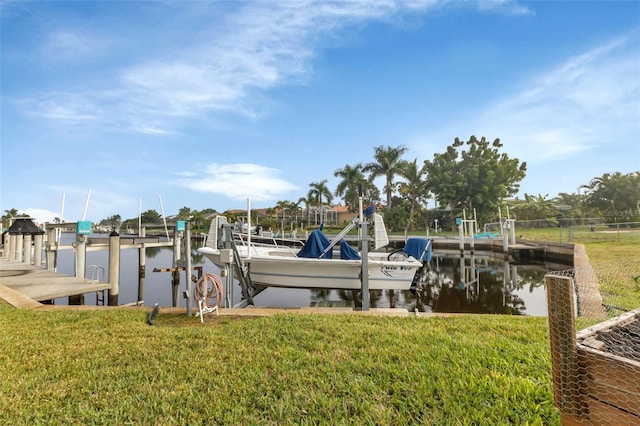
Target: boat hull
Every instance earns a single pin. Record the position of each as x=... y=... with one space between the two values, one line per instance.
x=281 y=268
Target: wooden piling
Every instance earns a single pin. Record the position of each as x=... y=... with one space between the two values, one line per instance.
x=142 y=266
x=19 y=247
x=80 y=255
x=364 y=271
x=52 y=253
x=562 y=336
x=27 y=240
x=37 y=249
x=175 y=276
x=114 y=268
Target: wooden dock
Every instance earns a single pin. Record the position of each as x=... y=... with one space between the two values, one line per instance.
x=22 y=284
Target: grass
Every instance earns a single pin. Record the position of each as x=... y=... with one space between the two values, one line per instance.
x=108 y=366
x=617 y=265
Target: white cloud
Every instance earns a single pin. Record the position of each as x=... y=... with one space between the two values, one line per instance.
x=588 y=102
x=254 y=47
x=41 y=215
x=508 y=7
x=71 y=45
x=239 y=181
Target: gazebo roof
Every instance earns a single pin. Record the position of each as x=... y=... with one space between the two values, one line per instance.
x=22 y=226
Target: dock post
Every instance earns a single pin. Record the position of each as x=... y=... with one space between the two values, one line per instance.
x=81 y=255
x=142 y=267
x=26 y=258
x=364 y=271
x=460 y=224
x=187 y=250
x=52 y=253
x=512 y=233
x=505 y=236
x=37 y=249
x=114 y=268
x=7 y=251
x=175 y=275
x=19 y=247
x=471 y=236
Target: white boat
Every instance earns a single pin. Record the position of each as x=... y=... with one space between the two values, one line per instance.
x=276 y=265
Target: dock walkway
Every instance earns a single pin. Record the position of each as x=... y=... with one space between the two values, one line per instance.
x=21 y=284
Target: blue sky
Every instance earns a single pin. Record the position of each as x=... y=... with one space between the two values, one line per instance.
x=207 y=103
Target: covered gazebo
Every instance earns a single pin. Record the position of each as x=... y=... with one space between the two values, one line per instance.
x=18 y=238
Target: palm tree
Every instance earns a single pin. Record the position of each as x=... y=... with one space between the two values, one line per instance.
x=415 y=187
x=307 y=204
x=317 y=192
x=388 y=163
x=352 y=180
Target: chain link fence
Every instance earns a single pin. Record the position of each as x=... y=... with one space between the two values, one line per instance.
x=578 y=230
x=596 y=371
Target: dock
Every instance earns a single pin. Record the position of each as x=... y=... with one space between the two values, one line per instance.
x=22 y=283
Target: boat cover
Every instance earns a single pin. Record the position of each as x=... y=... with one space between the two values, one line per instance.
x=347 y=252
x=315 y=245
x=420 y=248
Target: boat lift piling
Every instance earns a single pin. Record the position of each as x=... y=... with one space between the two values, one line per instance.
x=364 y=268
x=508 y=230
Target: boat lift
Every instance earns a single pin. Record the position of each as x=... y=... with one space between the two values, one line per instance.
x=221 y=235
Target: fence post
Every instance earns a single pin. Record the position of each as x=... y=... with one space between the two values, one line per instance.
x=562 y=338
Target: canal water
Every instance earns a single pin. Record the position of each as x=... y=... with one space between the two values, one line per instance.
x=473 y=284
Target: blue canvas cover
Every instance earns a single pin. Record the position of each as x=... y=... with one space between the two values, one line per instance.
x=315 y=245
x=420 y=248
x=347 y=252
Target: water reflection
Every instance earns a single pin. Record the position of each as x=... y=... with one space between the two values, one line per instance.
x=475 y=284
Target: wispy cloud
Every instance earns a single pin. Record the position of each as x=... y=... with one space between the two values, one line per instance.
x=223 y=64
x=239 y=181
x=583 y=104
x=507 y=7
x=70 y=45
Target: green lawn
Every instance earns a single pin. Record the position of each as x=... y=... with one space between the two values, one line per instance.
x=110 y=367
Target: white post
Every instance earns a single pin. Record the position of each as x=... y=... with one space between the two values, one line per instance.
x=19 y=247
x=164 y=219
x=114 y=268
x=188 y=272
x=37 y=249
x=27 y=249
x=249 y=227
x=86 y=205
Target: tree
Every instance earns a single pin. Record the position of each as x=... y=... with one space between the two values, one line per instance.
x=479 y=177
x=151 y=216
x=318 y=191
x=534 y=207
x=184 y=213
x=416 y=187
x=388 y=163
x=112 y=222
x=353 y=179
x=307 y=204
x=615 y=195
